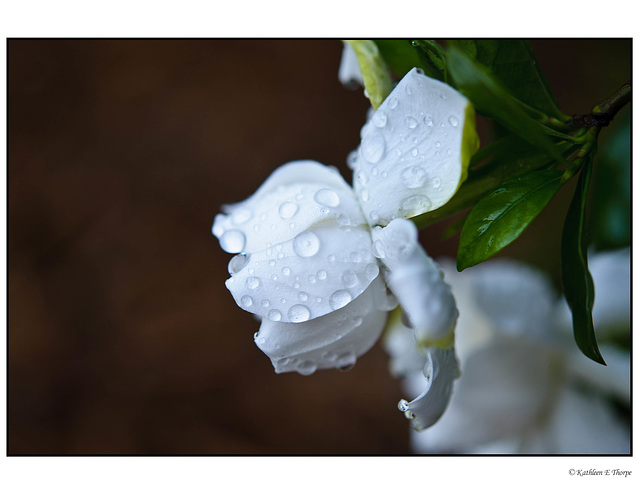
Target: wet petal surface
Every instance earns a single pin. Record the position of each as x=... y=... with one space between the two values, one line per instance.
x=415 y=150
x=331 y=341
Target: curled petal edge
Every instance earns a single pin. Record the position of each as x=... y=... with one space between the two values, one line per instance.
x=440 y=370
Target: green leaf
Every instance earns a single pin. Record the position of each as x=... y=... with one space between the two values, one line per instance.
x=576 y=279
x=514 y=64
x=399 y=55
x=498 y=219
x=493 y=100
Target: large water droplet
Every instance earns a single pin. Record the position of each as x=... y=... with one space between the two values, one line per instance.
x=339 y=299
x=372 y=147
x=453 y=120
x=306 y=244
x=232 y=241
x=288 y=210
x=252 y=283
x=413 y=177
x=237 y=263
x=274 y=315
x=298 y=313
x=350 y=279
x=346 y=361
x=379 y=119
x=371 y=271
x=306 y=367
x=415 y=204
x=246 y=301
x=378 y=249
x=327 y=197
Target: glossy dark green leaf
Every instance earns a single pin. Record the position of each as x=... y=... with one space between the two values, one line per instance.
x=498 y=219
x=399 y=55
x=514 y=64
x=576 y=279
x=491 y=98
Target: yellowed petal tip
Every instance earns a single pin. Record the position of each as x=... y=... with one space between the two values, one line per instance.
x=444 y=343
x=375 y=75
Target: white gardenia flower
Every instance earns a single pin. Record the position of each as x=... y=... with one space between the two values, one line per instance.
x=524 y=385
x=321 y=274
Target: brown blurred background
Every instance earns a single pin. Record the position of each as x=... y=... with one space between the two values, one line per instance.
x=122 y=336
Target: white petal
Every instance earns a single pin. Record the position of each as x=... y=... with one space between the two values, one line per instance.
x=440 y=370
x=319 y=271
x=415 y=150
x=295 y=197
x=611 y=274
x=332 y=341
x=416 y=280
x=613 y=379
x=349 y=72
x=581 y=425
x=504 y=389
x=517 y=299
x=406 y=356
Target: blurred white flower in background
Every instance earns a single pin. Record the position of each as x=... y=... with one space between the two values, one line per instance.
x=524 y=386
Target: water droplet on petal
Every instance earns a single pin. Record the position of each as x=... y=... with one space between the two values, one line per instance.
x=379 y=119
x=306 y=367
x=392 y=102
x=232 y=241
x=298 y=313
x=371 y=271
x=378 y=249
x=415 y=204
x=346 y=361
x=350 y=279
x=288 y=210
x=411 y=122
x=274 y=315
x=339 y=299
x=246 y=301
x=265 y=303
x=303 y=296
x=237 y=263
x=372 y=147
x=435 y=182
x=331 y=258
x=286 y=271
x=453 y=120
x=428 y=120
x=306 y=244
x=413 y=177
x=322 y=274
x=327 y=197
x=252 y=283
